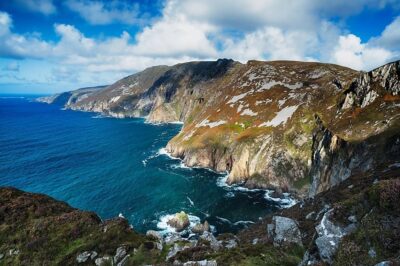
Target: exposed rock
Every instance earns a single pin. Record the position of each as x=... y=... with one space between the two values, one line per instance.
x=180 y=221
x=210 y=238
x=178 y=247
x=283 y=231
x=120 y=253
x=372 y=253
x=1 y=256
x=329 y=237
x=231 y=243
x=200 y=228
x=385 y=263
x=106 y=260
x=241 y=102
x=13 y=252
x=172 y=238
x=155 y=235
x=201 y=263
x=83 y=257
x=123 y=261
x=310 y=216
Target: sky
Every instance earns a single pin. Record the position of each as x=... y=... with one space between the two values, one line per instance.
x=48 y=46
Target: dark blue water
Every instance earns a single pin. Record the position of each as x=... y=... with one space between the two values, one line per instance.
x=112 y=166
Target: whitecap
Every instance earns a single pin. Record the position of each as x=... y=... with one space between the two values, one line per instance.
x=190 y=201
x=243 y=222
x=165 y=228
x=285 y=202
x=223 y=219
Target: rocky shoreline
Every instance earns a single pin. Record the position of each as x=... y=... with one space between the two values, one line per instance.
x=292 y=126
x=355 y=223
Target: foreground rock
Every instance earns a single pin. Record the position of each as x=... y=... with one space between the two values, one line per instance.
x=283 y=231
x=180 y=221
x=355 y=223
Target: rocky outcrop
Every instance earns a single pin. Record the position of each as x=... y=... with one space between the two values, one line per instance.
x=180 y=221
x=284 y=231
x=257 y=122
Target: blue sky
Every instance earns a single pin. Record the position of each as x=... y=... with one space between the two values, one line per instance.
x=49 y=46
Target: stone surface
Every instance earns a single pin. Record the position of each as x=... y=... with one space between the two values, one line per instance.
x=200 y=228
x=83 y=257
x=210 y=238
x=103 y=261
x=120 y=253
x=201 y=263
x=180 y=221
x=283 y=231
x=155 y=235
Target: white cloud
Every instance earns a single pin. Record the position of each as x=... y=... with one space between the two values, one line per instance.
x=352 y=53
x=101 y=13
x=198 y=30
x=390 y=37
x=45 y=7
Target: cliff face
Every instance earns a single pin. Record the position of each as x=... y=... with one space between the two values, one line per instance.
x=295 y=126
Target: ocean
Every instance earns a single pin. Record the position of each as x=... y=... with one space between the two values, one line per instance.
x=116 y=167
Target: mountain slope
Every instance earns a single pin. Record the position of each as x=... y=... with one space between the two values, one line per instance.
x=294 y=126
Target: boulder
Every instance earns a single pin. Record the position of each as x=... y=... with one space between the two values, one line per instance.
x=200 y=228
x=83 y=257
x=180 y=221
x=283 y=231
x=210 y=238
x=201 y=263
x=178 y=247
x=106 y=260
x=123 y=261
x=119 y=254
x=1 y=256
x=330 y=236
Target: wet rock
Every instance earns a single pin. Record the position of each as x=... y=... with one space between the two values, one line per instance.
x=284 y=230
x=201 y=263
x=180 y=221
x=83 y=257
x=106 y=260
x=200 y=228
x=119 y=254
x=1 y=256
x=210 y=238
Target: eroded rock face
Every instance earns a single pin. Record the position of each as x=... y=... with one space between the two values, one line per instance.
x=257 y=120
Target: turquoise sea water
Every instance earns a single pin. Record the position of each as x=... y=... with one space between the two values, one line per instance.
x=114 y=166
